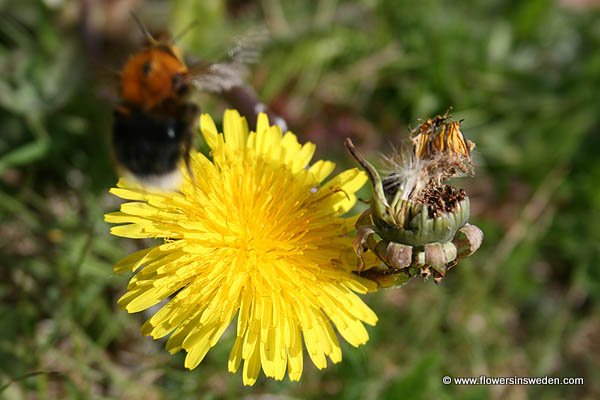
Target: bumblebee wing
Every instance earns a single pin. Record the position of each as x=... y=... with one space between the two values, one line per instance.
x=247 y=49
x=232 y=70
x=217 y=78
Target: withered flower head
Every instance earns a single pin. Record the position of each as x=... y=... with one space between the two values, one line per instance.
x=421 y=221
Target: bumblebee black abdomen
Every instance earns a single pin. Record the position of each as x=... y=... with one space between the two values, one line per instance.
x=150 y=144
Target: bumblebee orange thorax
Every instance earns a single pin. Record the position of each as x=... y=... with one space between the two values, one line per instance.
x=152 y=76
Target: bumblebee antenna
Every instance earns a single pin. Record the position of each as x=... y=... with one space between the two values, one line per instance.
x=194 y=23
x=143 y=28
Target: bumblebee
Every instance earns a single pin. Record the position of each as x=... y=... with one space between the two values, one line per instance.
x=152 y=129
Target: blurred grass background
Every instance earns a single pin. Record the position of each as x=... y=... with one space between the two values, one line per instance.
x=525 y=76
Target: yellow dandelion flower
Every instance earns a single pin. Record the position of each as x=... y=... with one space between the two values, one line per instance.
x=256 y=235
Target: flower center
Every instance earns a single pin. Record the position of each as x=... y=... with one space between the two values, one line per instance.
x=270 y=216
